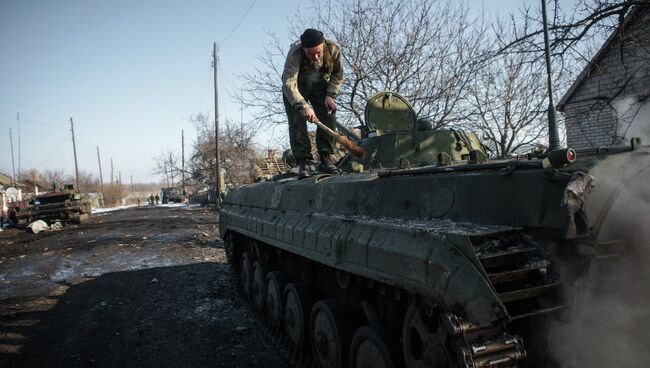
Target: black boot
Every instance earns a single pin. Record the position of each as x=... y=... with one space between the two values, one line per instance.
x=328 y=164
x=304 y=169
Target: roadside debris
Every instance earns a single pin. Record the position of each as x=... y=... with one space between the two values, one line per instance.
x=38 y=226
x=65 y=206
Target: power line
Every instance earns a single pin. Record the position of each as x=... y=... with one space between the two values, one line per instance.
x=240 y=22
x=24 y=107
x=204 y=89
x=40 y=133
x=229 y=82
x=23 y=120
x=55 y=151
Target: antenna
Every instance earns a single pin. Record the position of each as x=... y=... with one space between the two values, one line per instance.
x=553 y=135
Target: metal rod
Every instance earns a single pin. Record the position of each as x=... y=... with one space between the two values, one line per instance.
x=553 y=135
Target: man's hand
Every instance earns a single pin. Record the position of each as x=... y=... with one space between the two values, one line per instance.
x=308 y=113
x=330 y=104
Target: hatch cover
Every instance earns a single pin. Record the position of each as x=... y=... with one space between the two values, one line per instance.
x=389 y=112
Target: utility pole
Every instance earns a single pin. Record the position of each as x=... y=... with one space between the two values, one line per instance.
x=166 y=173
x=13 y=167
x=112 y=177
x=132 y=194
x=119 y=177
x=183 y=158
x=215 y=61
x=74 y=149
x=101 y=178
x=19 y=150
x=171 y=168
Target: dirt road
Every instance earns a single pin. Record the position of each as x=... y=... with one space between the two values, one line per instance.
x=141 y=287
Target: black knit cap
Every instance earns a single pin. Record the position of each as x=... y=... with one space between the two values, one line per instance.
x=311 y=38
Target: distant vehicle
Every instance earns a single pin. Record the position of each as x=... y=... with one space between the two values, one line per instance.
x=65 y=206
x=171 y=195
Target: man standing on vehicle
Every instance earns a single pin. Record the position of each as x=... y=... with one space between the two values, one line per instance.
x=311 y=81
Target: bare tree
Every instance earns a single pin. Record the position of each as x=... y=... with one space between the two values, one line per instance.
x=575 y=36
x=167 y=165
x=509 y=98
x=88 y=182
x=47 y=179
x=571 y=29
x=54 y=178
x=237 y=151
x=426 y=50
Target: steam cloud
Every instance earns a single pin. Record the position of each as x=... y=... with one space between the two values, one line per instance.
x=610 y=326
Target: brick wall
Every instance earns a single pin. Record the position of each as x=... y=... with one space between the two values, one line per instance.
x=603 y=107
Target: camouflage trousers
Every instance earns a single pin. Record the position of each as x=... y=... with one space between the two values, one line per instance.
x=298 y=136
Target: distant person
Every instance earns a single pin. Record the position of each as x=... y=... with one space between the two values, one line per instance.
x=151 y=199
x=311 y=80
x=157 y=198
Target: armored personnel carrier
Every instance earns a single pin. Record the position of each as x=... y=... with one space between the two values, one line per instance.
x=434 y=256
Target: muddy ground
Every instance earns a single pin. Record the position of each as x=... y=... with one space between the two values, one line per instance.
x=140 y=287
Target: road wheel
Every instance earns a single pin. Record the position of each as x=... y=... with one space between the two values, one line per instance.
x=275 y=283
x=330 y=334
x=423 y=343
x=295 y=318
x=258 y=285
x=245 y=274
x=373 y=346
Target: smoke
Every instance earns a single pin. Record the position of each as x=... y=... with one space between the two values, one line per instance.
x=633 y=118
x=610 y=325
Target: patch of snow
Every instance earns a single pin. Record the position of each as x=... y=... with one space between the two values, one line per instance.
x=191 y=207
x=111 y=209
x=172 y=205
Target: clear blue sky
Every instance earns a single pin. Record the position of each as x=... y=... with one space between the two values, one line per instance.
x=129 y=73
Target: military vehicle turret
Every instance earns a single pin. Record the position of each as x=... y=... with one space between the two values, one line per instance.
x=433 y=255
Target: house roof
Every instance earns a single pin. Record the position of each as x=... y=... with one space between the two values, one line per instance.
x=630 y=17
x=6 y=181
